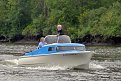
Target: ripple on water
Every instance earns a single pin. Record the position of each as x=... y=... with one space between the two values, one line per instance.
x=102 y=69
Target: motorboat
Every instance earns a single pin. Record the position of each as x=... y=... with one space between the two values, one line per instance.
x=62 y=54
x=58 y=54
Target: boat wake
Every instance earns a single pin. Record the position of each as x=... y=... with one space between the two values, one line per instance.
x=14 y=63
x=95 y=66
x=47 y=68
x=91 y=66
x=9 y=62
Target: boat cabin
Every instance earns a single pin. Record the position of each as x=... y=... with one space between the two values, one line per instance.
x=57 y=48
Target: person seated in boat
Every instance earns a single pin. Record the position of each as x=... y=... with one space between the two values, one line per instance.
x=41 y=43
x=59 y=30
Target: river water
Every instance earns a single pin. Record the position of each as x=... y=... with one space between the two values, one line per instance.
x=105 y=65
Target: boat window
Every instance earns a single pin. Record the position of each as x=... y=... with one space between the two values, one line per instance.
x=64 y=48
x=51 y=49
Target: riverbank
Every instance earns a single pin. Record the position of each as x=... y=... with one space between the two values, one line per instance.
x=87 y=40
x=35 y=42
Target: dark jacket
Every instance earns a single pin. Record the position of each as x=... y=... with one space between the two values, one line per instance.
x=60 y=32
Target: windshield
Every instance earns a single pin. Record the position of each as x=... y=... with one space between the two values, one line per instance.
x=65 y=48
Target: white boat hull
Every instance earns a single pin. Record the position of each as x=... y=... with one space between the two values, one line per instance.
x=63 y=60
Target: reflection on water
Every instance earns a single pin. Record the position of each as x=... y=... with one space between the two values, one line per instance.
x=104 y=66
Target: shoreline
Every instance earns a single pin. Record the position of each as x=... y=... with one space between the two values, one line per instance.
x=34 y=42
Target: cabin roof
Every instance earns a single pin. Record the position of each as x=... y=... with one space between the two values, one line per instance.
x=44 y=49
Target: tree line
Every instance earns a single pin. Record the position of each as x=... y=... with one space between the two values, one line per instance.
x=81 y=18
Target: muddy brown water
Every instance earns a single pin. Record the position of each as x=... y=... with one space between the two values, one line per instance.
x=105 y=65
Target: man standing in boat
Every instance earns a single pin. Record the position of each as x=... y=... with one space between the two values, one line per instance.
x=59 y=30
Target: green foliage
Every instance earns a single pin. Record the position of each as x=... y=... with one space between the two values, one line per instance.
x=35 y=27
x=30 y=30
x=79 y=17
x=37 y=7
x=102 y=21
